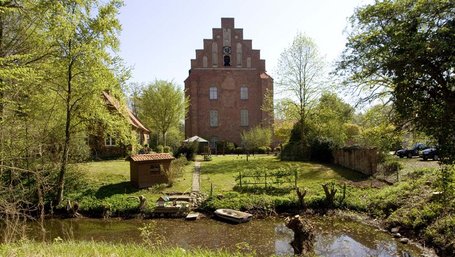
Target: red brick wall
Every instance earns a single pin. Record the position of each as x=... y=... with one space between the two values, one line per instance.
x=249 y=72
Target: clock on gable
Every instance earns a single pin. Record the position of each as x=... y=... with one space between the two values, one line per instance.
x=227 y=50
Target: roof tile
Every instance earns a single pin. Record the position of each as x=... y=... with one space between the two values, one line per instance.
x=151 y=157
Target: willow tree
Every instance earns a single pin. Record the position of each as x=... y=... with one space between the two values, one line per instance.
x=83 y=35
x=300 y=75
x=162 y=105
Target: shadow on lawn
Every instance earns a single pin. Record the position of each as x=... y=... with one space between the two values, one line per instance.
x=114 y=189
x=347 y=174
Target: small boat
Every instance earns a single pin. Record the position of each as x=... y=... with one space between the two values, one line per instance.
x=233 y=215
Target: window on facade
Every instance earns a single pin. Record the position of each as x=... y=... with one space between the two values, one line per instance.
x=109 y=141
x=155 y=167
x=213 y=118
x=213 y=93
x=227 y=60
x=244 y=93
x=244 y=118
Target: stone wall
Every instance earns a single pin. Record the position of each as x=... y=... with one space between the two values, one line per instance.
x=358 y=159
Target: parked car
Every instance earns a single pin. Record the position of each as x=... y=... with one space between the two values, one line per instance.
x=430 y=153
x=414 y=151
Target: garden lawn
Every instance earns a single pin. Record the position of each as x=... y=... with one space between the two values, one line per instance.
x=97 y=186
x=222 y=170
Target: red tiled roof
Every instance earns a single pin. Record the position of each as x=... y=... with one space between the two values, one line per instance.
x=151 y=157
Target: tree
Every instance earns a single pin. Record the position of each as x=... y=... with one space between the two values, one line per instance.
x=377 y=129
x=255 y=137
x=81 y=34
x=300 y=75
x=162 y=106
x=330 y=116
x=405 y=49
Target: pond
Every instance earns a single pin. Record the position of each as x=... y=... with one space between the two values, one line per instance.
x=334 y=237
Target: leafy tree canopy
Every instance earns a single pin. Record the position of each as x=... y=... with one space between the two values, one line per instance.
x=405 y=48
x=162 y=105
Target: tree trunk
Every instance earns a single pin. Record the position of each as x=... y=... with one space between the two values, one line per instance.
x=330 y=191
x=303 y=243
x=66 y=145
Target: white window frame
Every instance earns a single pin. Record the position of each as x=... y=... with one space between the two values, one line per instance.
x=244 y=93
x=213 y=93
x=109 y=141
x=213 y=118
x=244 y=118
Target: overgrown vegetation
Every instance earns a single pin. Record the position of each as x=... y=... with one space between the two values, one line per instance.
x=84 y=248
x=417 y=203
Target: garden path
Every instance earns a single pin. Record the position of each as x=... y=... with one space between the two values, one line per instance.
x=196 y=177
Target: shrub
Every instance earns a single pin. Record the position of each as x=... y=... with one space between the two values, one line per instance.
x=442 y=234
x=188 y=150
x=167 y=149
x=391 y=166
x=239 y=150
x=160 y=149
x=230 y=147
x=261 y=150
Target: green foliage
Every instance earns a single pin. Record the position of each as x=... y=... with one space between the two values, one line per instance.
x=162 y=106
x=329 y=117
x=298 y=148
x=402 y=49
x=390 y=166
x=150 y=236
x=88 y=248
x=284 y=178
x=442 y=233
x=189 y=150
x=378 y=130
x=256 y=137
x=160 y=149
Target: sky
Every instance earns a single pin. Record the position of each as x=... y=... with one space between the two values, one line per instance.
x=159 y=38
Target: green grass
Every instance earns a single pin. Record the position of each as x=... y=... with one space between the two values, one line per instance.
x=84 y=248
x=222 y=170
x=106 y=184
x=220 y=174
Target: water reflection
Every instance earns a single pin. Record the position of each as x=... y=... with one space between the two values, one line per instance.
x=266 y=237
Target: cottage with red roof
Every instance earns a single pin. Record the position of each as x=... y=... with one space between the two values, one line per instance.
x=107 y=146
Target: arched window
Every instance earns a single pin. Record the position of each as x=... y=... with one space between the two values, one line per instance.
x=204 y=61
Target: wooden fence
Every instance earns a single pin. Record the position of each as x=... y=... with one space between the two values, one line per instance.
x=358 y=159
x=262 y=177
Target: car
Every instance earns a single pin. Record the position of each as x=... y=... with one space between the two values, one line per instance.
x=414 y=151
x=430 y=153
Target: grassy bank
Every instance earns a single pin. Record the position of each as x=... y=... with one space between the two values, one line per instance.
x=105 y=185
x=83 y=248
x=414 y=204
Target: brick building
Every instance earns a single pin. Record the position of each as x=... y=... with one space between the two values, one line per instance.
x=226 y=86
